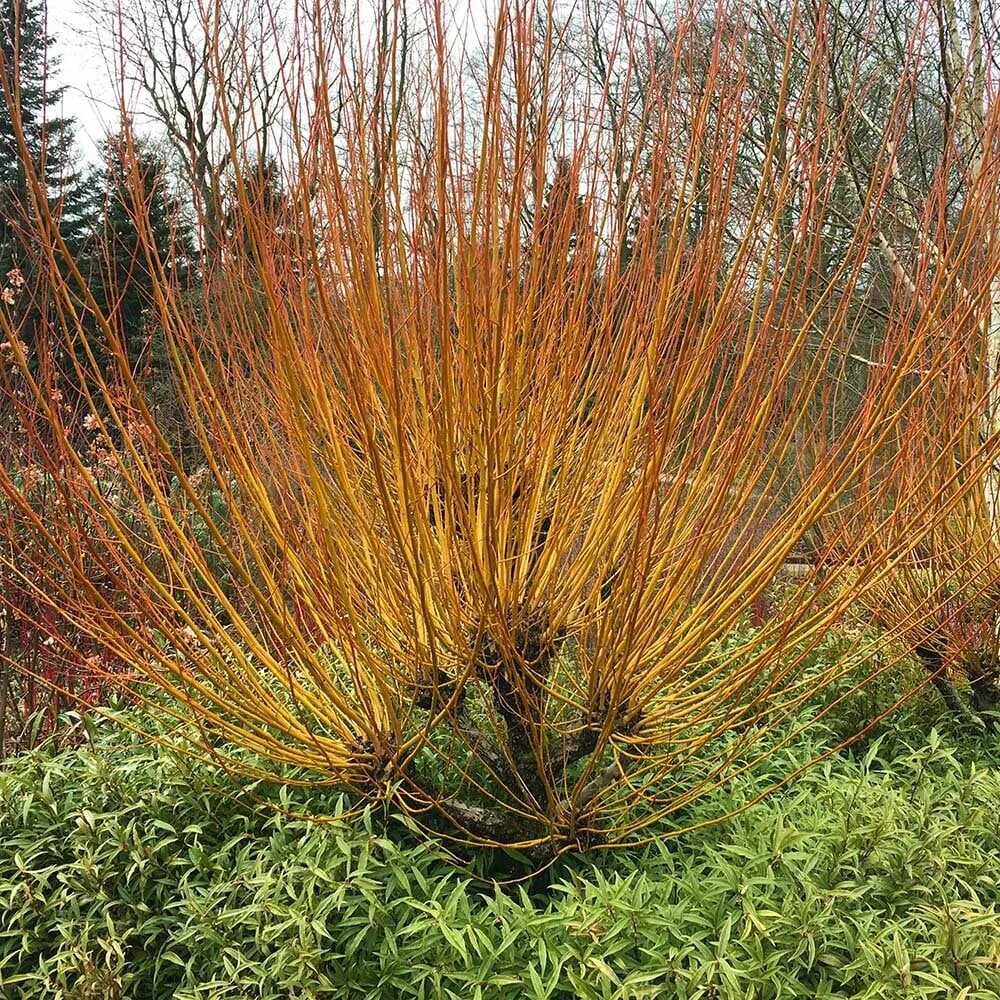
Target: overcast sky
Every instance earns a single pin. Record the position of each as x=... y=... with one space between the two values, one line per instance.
x=90 y=97
x=81 y=69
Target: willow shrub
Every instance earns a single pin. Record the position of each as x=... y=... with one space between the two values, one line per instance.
x=499 y=390
x=927 y=505
x=926 y=501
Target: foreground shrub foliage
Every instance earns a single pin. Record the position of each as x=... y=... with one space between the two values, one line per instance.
x=496 y=409
x=124 y=873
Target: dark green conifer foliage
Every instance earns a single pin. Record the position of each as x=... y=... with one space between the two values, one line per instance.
x=138 y=199
x=29 y=77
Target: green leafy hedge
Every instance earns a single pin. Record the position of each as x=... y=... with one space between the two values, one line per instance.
x=124 y=873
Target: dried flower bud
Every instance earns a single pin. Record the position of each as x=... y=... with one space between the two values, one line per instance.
x=32 y=476
x=8 y=345
x=197 y=479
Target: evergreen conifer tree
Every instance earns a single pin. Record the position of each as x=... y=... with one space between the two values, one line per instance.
x=137 y=200
x=28 y=78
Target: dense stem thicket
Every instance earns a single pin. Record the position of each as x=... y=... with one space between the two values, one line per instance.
x=928 y=499
x=925 y=503
x=499 y=395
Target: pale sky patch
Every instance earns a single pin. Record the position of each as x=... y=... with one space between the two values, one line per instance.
x=89 y=97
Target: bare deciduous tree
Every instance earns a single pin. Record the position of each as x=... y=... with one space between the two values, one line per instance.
x=198 y=71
